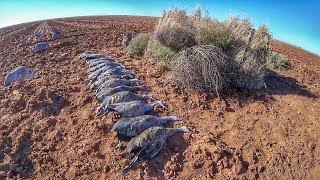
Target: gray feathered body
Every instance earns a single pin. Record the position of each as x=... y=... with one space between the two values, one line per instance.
x=148 y=144
x=21 y=73
x=118 y=82
x=123 y=96
x=131 y=109
x=101 y=95
x=136 y=125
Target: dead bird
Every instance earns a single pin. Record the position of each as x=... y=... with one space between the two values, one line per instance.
x=118 y=82
x=107 y=70
x=83 y=55
x=89 y=57
x=20 y=74
x=40 y=47
x=102 y=61
x=123 y=96
x=133 y=108
x=104 y=66
x=134 y=126
x=101 y=79
x=148 y=144
x=102 y=58
x=101 y=95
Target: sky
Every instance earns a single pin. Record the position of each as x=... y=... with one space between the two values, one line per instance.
x=296 y=22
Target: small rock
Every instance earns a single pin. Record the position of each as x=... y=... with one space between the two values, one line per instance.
x=19 y=169
x=13 y=166
x=3 y=174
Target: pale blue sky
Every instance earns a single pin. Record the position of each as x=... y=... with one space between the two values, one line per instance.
x=295 y=22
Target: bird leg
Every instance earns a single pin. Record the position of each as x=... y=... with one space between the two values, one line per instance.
x=119 y=145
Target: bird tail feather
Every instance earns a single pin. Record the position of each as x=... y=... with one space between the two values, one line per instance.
x=184 y=129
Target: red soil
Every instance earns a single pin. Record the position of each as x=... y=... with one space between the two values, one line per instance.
x=48 y=125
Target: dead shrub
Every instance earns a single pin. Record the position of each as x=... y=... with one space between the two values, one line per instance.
x=249 y=49
x=203 y=68
x=175 y=29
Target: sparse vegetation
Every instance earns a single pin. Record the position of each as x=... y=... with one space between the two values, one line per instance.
x=211 y=54
x=175 y=29
x=276 y=61
x=203 y=68
x=161 y=54
x=138 y=44
x=249 y=50
x=211 y=31
x=214 y=32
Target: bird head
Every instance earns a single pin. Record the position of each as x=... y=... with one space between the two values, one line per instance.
x=34 y=73
x=172 y=131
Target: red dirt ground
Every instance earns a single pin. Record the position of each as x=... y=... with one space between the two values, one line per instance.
x=48 y=128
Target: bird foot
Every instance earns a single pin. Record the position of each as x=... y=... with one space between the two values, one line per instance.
x=119 y=145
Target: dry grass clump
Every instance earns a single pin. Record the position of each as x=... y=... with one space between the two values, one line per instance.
x=277 y=61
x=203 y=68
x=210 y=31
x=249 y=50
x=213 y=32
x=175 y=29
x=163 y=55
x=138 y=44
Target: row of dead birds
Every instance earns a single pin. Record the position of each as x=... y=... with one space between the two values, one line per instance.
x=115 y=88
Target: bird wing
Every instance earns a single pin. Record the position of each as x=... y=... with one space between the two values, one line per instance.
x=147 y=152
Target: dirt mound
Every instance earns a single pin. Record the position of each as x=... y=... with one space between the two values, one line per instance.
x=48 y=128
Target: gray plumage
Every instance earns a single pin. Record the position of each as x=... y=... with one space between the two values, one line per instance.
x=23 y=41
x=148 y=144
x=134 y=126
x=98 y=81
x=126 y=38
x=55 y=30
x=83 y=55
x=102 y=61
x=117 y=82
x=106 y=70
x=88 y=57
x=133 y=108
x=101 y=95
x=38 y=34
x=99 y=58
x=124 y=96
x=55 y=36
x=105 y=66
x=40 y=47
x=20 y=73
